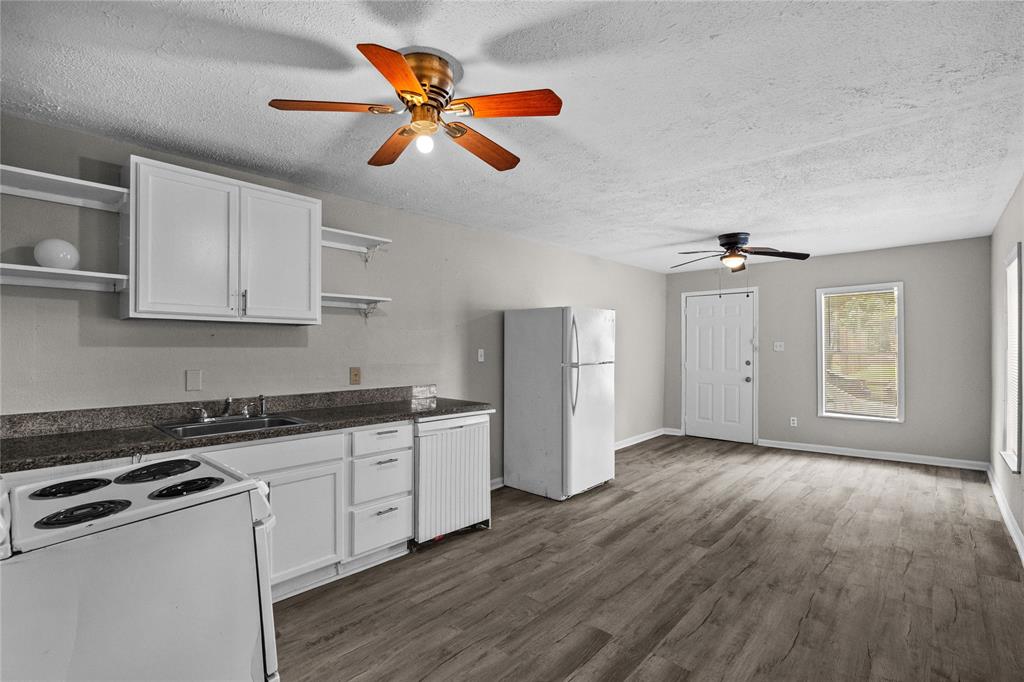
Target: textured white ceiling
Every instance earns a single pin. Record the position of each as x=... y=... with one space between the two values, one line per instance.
x=826 y=127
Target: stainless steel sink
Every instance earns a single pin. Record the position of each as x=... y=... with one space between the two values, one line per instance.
x=221 y=426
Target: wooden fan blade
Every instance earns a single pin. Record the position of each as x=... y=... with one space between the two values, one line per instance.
x=784 y=254
x=525 y=103
x=317 y=105
x=690 y=253
x=395 y=69
x=480 y=146
x=759 y=250
x=393 y=148
x=714 y=255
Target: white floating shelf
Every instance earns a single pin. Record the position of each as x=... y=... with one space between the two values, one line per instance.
x=58 y=278
x=62 y=190
x=365 y=304
x=365 y=244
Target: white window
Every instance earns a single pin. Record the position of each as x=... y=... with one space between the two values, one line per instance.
x=1011 y=445
x=860 y=352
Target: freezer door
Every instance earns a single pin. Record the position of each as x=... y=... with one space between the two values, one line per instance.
x=590 y=426
x=589 y=335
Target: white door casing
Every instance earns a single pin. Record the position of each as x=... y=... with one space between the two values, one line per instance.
x=719 y=365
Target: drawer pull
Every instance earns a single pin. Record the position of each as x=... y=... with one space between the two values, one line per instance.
x=382 y=512
x=452 y=428
x=387 y=461
x=385 y=433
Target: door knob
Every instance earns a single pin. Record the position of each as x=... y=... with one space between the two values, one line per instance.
x=748 y=380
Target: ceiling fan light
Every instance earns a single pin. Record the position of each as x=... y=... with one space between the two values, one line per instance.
x=424 y=144
x=733 y=260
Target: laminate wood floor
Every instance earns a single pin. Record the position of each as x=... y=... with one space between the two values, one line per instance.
x=702 y=560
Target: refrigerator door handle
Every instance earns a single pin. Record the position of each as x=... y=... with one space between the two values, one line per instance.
x=576 y=392
x=576 y=339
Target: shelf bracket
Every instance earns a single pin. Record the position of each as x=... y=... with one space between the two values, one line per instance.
x=370 y=309
x=370 y=250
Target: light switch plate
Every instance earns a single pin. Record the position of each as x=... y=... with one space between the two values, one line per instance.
x=779 y=346
x=479 y=354
x=193 y=379
x=355 y=376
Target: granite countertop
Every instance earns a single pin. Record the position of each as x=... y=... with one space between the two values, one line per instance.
x=77 y=447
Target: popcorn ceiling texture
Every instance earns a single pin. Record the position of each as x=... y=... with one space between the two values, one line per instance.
x=826 y=127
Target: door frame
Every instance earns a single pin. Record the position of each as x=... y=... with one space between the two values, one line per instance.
x=753 y=291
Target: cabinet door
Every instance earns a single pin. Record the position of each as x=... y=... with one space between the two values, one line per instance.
x=308 y=507
x=187 y=243
x=280 y=263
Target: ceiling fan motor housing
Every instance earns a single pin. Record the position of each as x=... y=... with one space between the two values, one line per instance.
x=434 y=75
x=733 y=240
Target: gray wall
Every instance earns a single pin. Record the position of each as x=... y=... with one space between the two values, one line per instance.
x=63 y=349
x=1009 y=230
x=947 y=331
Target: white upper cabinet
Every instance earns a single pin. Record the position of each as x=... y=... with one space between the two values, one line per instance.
x=187 y=243
x=203 y=247
x=280 y=237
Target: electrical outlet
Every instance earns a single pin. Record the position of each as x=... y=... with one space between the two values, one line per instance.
x=193 y=379
x=779 y=346
x=355 y=376
x=793 y=421
x=479 y=354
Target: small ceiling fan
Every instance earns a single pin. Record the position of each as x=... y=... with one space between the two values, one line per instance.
x=425 y=84
x=735 y=252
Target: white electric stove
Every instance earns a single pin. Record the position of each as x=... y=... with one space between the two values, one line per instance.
x=150 y=571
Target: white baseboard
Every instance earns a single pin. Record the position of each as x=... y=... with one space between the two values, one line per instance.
x=1012 y=527
x=673 y=432
x=498 y=482
x=879 y=454
x=639 y=438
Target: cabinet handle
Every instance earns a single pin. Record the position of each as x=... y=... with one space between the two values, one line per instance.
x=382 y=512
x=452 y=428
x=387 y=461
x=245 y=301
x=385 y=433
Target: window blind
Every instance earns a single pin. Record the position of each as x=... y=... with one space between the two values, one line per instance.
x=860 y=356
x=1012 y=431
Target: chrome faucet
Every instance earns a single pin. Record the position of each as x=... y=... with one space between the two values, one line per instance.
x=201 y=415
x=263 y=405
x=227 y=407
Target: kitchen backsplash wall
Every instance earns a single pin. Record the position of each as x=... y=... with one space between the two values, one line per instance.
x=62 y=349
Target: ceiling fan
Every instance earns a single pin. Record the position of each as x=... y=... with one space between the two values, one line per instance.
x=735 y=252
x=425 y=84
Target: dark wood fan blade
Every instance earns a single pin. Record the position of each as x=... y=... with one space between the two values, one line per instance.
x=690 y=253
x=316 y=105
x=759 y=250
x=785 y=254
x=525 y=103
x=480 y=146
x=714 y=255
x=395 y=69
x=393 y=148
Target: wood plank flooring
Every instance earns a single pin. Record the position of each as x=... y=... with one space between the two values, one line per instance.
x=702 y=560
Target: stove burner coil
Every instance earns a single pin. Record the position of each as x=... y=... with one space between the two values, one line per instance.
x=82 y=513
x=69 y=488
x=157 y=471
x=192 y=485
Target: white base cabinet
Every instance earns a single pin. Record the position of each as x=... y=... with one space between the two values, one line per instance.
x=336 y=513
x=198 y=246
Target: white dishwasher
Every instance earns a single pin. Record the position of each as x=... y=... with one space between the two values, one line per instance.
x=453 y=474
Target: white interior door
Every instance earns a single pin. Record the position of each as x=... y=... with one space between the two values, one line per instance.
x=719 y=367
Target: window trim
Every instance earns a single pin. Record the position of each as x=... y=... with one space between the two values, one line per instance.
x=1013 y=459
x=901 y=383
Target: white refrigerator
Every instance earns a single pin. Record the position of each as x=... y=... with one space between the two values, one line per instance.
x=559 y=411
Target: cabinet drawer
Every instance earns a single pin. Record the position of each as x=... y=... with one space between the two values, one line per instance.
x=381 y=439
x=285 y=454
x=380 y=476
x=381 y=525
